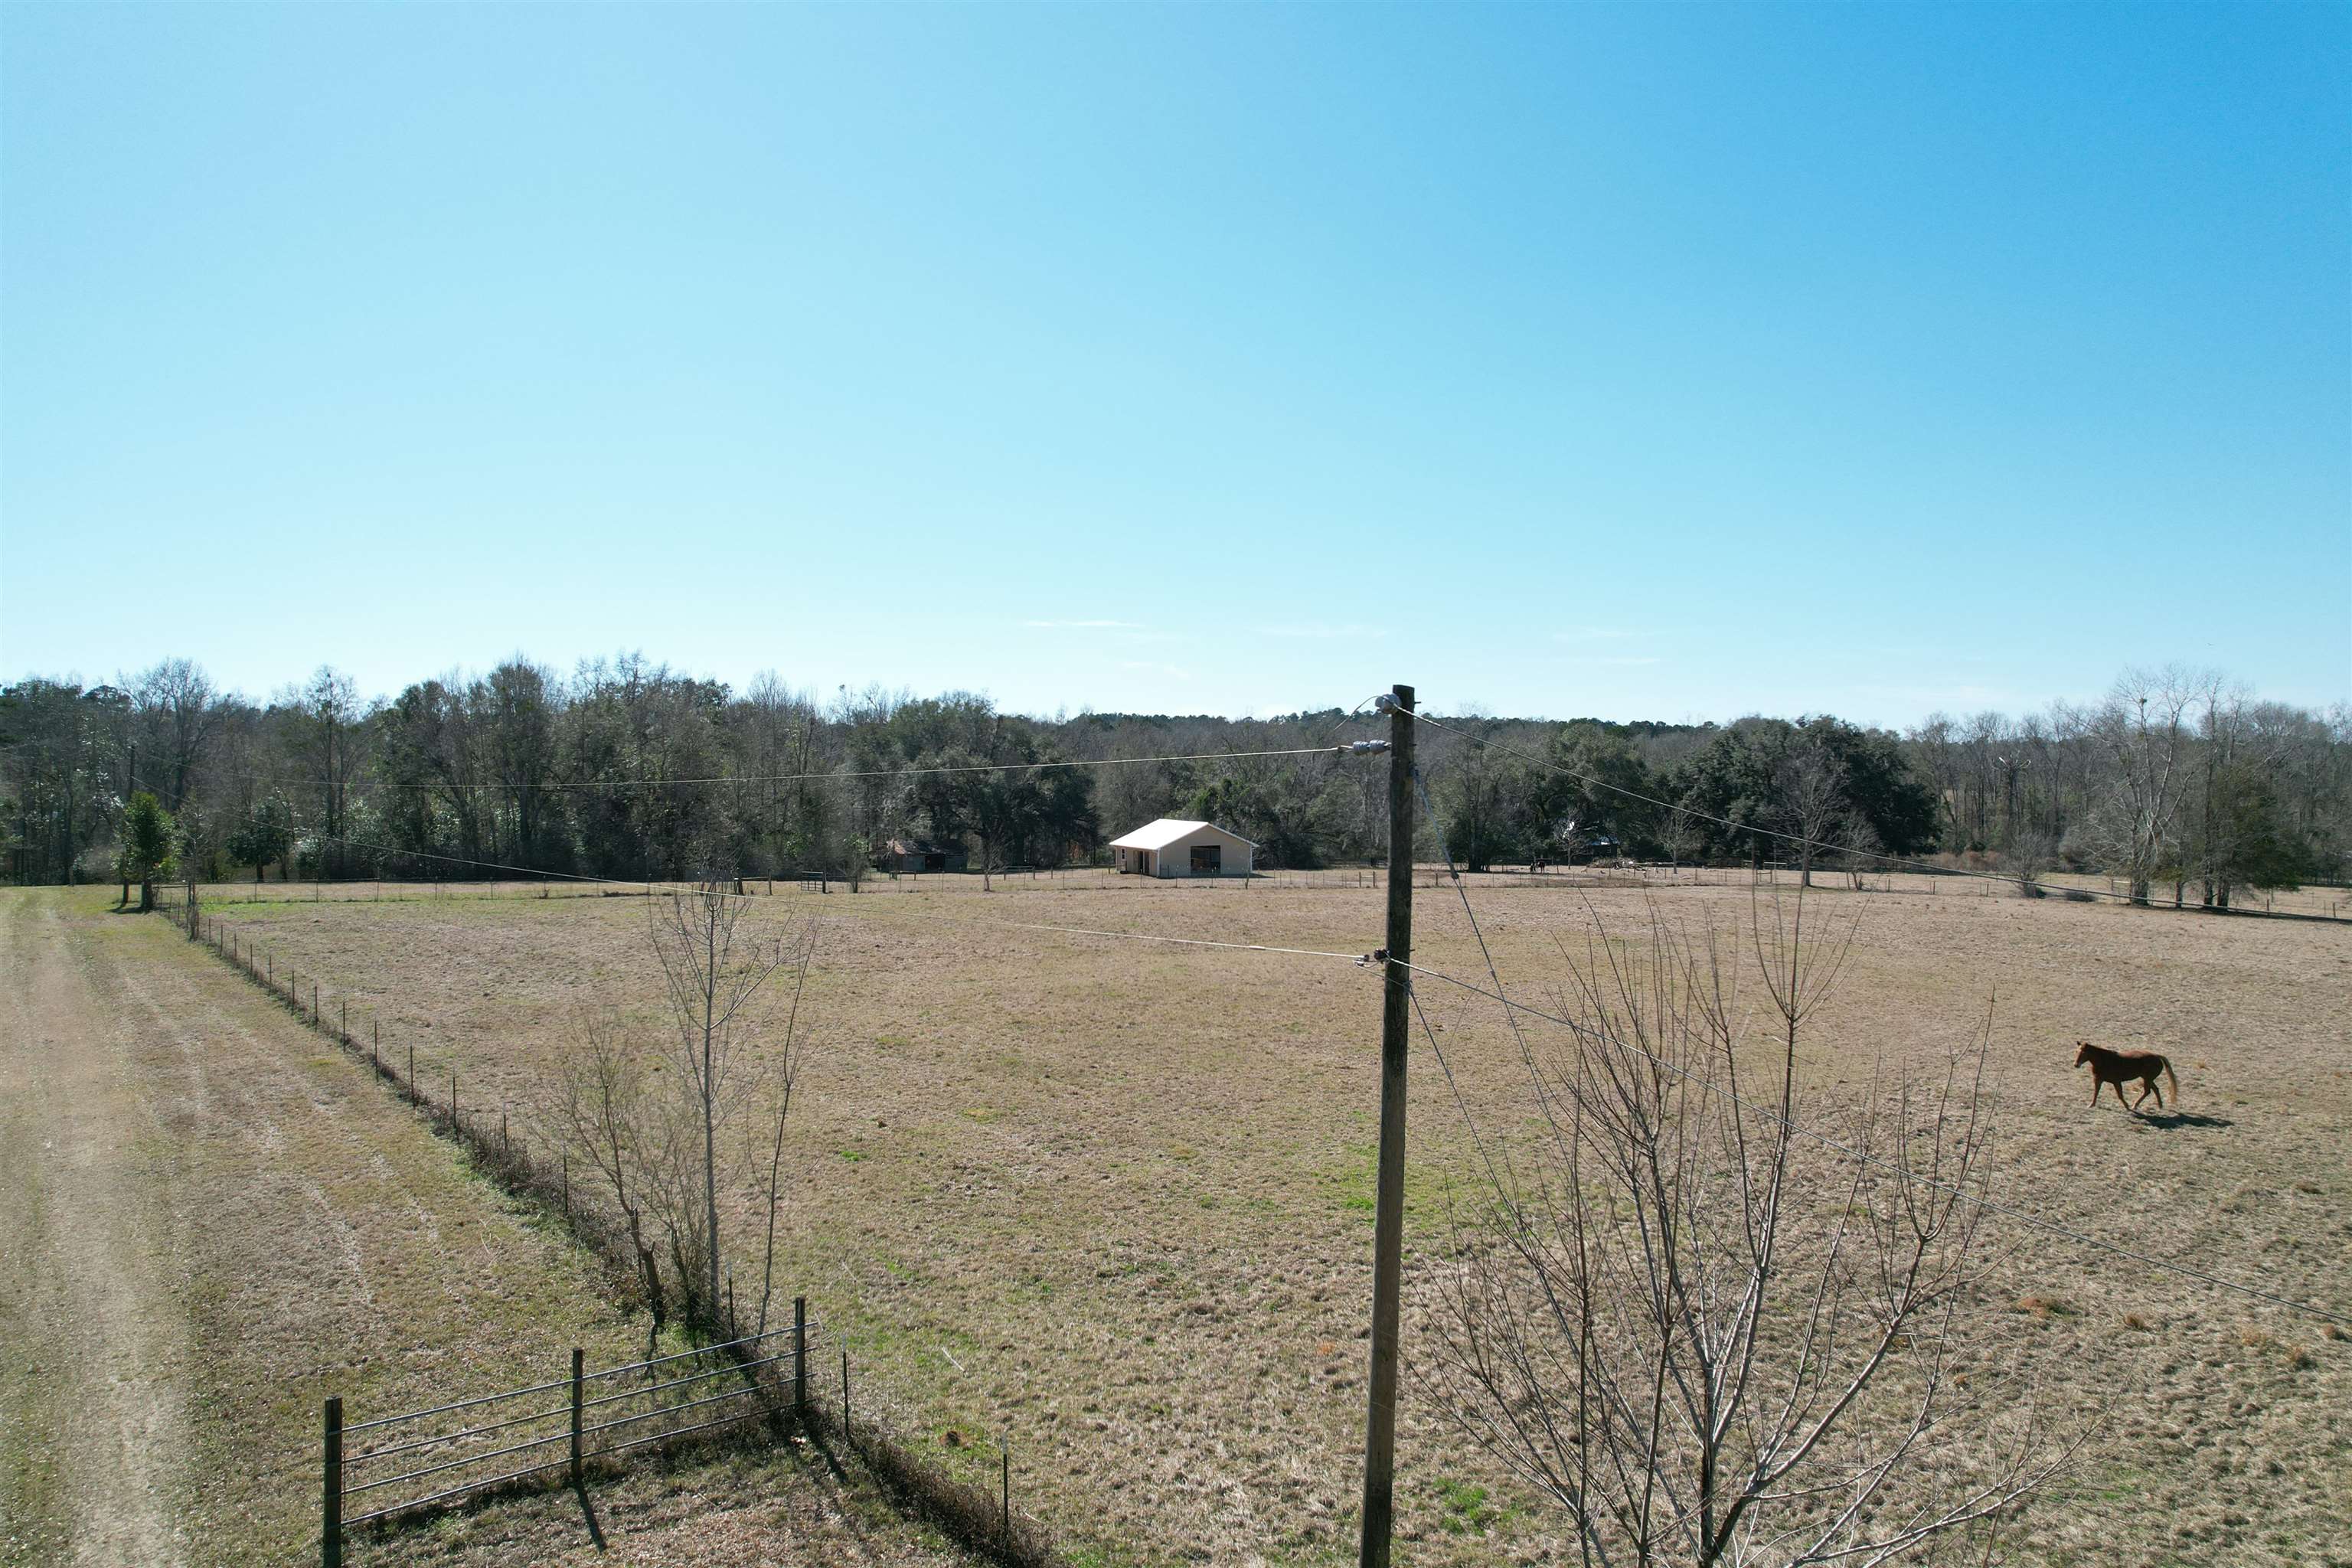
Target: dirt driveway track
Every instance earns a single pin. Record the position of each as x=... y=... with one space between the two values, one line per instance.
x=210 y=1222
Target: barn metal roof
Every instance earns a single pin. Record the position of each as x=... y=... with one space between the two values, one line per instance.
x=1168 y=830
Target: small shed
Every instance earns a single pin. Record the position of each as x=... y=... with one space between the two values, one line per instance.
x=1171 y=848
x=913 y=856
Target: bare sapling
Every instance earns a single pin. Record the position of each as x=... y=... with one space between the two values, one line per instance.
x=1706 y=1337
x=786 y=1072
x=669 y=1123
x=715 y=973
x=1858 y=846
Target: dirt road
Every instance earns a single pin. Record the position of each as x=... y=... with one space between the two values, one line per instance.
x=210 y=1222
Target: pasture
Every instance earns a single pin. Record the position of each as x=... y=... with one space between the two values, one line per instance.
x=1113 y=1198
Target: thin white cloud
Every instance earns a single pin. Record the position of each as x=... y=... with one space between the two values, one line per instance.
x=1086 y=626
x=1323 y=631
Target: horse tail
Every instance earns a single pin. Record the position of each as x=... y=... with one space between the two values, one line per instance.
x=2169 y=1078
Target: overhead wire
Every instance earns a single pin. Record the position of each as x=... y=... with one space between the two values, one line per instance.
x=1484 y=742
x=1497 y=993
x=1356 y=958
x=281 y=782
x=2023 y=1217
x=1795 y=1128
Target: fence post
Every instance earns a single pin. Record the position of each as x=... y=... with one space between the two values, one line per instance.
x=576 y=1380
x=376 y=1044
x=346 y=1024
x=800 y=1356
x=845 y=1395
x=1006 y=1445
x=411 y=1072
x=331 y=1509
x=567 y=1186
x=314 y=1003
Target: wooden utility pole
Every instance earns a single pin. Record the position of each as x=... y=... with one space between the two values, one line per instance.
x=1388 y=1222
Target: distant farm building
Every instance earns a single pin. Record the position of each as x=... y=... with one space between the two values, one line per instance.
x=1169 y=847
x=914 y=855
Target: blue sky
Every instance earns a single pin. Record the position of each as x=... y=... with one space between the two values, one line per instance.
x=1646 y=361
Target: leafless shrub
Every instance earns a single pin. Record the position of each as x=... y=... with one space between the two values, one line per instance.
x=2026 y=856
x=1704 y=1336
x=1857 y=852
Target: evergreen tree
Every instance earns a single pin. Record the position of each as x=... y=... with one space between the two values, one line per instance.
x=147 y=846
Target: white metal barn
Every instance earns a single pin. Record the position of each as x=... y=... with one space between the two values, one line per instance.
x=1169 y=847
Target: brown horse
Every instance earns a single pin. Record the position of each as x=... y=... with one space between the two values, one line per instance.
x=2120 y=1068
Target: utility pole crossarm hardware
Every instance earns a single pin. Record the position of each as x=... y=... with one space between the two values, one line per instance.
x=1387 y=1225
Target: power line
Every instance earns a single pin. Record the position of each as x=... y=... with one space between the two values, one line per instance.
x=278 y=782
x=1497 y=994
x=1794 y=1127
x=1483 y=743
x=1356 y=958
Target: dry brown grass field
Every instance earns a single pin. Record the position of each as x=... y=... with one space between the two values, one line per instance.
x=1113 y=1198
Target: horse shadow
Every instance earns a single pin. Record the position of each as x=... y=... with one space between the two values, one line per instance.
x=2169 y=1120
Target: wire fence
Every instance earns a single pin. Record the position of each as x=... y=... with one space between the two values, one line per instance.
x=417 y=1459
x=442 y=1465
x=746 y=1385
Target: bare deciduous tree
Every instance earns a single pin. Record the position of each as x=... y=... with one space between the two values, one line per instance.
x=715 y=974
x=1858 y=846
x=1683 y=834
x=667 y=1128
x=2141 y=729
x=1811 y=799
x=1707 y=1338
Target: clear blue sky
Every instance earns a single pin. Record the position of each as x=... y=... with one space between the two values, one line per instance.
x=1651 y=359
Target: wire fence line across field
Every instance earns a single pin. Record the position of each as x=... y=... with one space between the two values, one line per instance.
x=981 y=1519
x=283 y=781
x=2023 y=1217
x=1884 y=857
x=1512 y=1008
x=575 y=1431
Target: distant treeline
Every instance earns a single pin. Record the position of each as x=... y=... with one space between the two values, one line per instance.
x=626 y=768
